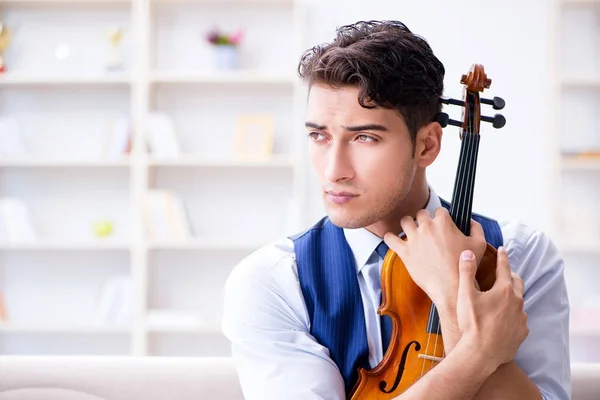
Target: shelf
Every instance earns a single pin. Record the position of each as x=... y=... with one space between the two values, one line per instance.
x=68 y=2
x=19 y=79
x=199 y=161
x=44 y=245
x=580 y=249
x=63 y=329
x=581 y=164
x=210 y=329
x=579 y=83
x=580 y=2
x=73 y=4
x=210 y=244
x=284 y=3
x=49 y=163
x=589 y=331
x=232 y=77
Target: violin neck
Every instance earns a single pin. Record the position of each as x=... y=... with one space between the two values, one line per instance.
x=464 y=185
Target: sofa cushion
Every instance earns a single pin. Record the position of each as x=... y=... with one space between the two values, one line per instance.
x=117 y=378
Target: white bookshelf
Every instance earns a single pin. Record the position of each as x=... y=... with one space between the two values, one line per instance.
x=51 y=285
x=34 y=163
x=575 y=143
x=254 y=78
x=62 y=329
x=195 y=161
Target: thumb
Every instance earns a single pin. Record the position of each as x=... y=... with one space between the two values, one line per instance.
x=394 y=242
x=467 y=268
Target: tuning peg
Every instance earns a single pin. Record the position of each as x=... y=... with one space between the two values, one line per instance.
x=498 y=120
x=444 y=120
x=497 y=103
x=448 y=100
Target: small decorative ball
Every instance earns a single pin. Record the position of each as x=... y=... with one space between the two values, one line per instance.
x=103 y=228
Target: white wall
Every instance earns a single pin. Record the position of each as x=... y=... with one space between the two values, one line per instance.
x=514 y=174
x=510 y=38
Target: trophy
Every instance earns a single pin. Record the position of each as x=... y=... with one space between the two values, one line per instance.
x=4 y=42
x=114 y=59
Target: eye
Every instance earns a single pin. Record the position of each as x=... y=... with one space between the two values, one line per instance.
x=316 y=136
x=366 y=138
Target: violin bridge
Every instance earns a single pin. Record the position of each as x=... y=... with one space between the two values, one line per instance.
x=431 y=358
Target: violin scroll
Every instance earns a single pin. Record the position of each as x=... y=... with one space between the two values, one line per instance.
x=474 y=82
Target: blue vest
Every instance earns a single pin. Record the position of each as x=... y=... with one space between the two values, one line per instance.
x=328 y=279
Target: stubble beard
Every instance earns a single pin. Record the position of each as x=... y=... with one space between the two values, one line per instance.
x=348 y=217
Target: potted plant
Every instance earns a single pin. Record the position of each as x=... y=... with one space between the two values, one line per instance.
x=225 y=47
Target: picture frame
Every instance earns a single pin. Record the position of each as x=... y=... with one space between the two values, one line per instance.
x=254 y=137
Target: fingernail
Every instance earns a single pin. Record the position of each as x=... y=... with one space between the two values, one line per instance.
x=466 y=255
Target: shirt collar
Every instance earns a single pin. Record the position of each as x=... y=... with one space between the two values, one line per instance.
x=363 y=243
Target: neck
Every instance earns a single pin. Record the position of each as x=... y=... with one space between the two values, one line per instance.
x=416 y=199
x=462 y=197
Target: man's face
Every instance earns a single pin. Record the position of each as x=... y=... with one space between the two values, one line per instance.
x=362 y=157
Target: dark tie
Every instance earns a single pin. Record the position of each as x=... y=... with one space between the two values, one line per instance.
x=382 y=249
x=386 y=322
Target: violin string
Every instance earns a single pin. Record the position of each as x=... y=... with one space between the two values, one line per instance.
x=428 y=340
x=466 y=171
x=456 y=193
x=463 y=197
x=471 y=180
x=463 y=180
x=437 y=337
x=475 y=152
x=463 y=219
x=460 y=198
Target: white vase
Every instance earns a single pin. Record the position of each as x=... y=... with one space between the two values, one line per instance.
x=226 y=57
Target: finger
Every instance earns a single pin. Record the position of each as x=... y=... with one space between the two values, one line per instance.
x=408 y=225
x=503 y=272
x=476 y=230
x=395 y=243
x=517 y=283
x=467 y=267
x=441 y=212
x=477 y=237
x=423 y=217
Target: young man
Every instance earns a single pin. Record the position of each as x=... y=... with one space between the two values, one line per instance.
x=301 y=313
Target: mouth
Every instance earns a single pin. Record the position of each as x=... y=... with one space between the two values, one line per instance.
x=341 y=197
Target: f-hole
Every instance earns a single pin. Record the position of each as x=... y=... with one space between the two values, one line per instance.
x=383 y=384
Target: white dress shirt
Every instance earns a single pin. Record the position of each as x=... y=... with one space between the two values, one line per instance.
x=266 y=320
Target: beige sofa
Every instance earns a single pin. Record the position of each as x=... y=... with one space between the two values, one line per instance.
x=154 y=378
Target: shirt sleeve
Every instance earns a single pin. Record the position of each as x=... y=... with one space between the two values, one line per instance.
x=544 y=355
x=265 y=319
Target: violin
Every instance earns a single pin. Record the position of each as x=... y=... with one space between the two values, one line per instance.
x=416 y=344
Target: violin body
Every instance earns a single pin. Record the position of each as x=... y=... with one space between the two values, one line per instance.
x=421 y=346
x=416 y=344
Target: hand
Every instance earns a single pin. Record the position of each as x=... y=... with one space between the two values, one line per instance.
x=494 y=321
x=431 y=253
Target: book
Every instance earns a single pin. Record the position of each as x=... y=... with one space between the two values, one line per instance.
x=15 y=221
x=161 y=137
x=166 y=217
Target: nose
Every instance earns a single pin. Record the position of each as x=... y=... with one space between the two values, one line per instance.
x=338 y=167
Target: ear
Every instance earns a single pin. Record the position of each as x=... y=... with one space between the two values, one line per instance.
x=428 y=144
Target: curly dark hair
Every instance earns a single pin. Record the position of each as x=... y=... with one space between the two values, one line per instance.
x=393 y=68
